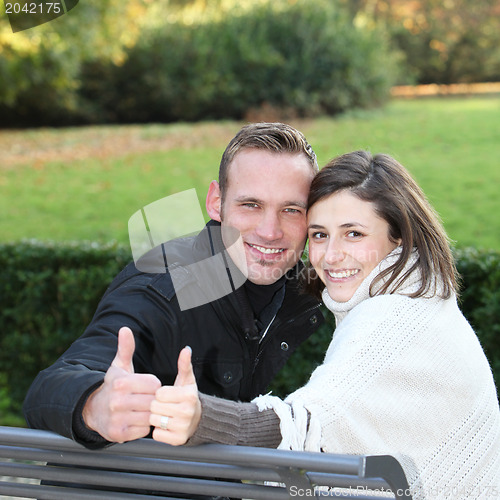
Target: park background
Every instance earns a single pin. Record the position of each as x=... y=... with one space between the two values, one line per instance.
x=120 y=103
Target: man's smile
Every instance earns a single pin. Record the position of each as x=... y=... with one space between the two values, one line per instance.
x=266 y=250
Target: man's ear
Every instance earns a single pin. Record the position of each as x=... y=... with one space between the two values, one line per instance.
x=214 y=201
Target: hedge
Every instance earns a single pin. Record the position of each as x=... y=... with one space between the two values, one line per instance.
x=49 y=292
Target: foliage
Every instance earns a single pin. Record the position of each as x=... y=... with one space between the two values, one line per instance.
x=219 y=62
x=40 y=67
x=49 y=293
x=140 y=60
x=443 y=42
x=480 y=299
x=36 y=85
x=299 y=60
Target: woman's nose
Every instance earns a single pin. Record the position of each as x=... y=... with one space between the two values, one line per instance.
x=334 y=253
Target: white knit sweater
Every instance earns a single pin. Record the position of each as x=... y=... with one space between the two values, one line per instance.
x=405 y=377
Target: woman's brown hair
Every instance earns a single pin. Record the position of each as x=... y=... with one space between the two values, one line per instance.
x=398 y=200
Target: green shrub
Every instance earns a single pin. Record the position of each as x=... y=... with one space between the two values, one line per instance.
x=299 y=60
x=36 y=86
x=49 y=293
x=480 y=299
x=40 y=67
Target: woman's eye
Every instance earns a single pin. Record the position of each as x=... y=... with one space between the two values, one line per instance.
x=354 y=234
x=318 y=235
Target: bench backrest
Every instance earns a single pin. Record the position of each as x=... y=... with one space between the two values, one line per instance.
x=146 y=469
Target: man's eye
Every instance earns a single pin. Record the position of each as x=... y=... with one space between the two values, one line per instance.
x=292 y=210
x=250 y=205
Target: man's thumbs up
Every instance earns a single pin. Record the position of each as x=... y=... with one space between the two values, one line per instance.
x=125 y=351
x=176 y=410
x=119 y=409
x=185 y=374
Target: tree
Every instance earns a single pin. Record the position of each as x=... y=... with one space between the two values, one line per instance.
x=39 y=67
x=444 y=41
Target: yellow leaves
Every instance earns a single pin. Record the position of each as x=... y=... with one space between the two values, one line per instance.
x=437 y=45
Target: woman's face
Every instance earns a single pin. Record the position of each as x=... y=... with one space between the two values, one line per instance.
x=347 y=239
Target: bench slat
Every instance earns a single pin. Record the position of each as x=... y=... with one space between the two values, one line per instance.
x=146 y=469
x=144 y=465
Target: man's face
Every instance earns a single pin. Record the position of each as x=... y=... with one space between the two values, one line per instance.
x=265 y=200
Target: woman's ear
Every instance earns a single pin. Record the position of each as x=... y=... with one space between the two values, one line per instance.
x=214 y=201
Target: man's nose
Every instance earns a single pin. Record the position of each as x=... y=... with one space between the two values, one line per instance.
x=269 y=227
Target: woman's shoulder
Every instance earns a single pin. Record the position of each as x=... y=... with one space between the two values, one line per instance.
x=420 y=319
x=400 y=311
x=382 y=304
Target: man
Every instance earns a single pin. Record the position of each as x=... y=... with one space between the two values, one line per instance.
x=101 y=388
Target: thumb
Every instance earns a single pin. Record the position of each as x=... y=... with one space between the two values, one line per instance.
x=185 y=374
x=125 y=351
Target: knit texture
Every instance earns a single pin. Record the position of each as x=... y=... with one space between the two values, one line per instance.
x=230 y=422
x=405 y=377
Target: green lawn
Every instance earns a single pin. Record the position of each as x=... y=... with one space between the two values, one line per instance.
x=85 y=183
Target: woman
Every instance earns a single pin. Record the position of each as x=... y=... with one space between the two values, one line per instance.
x=404 y=374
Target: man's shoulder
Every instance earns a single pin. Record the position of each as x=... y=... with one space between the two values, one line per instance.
x=173 y=266
x=156 y=269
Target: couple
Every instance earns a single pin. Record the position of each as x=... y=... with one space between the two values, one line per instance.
x=404 y=374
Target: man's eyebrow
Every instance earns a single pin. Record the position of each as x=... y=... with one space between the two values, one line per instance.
x=295 y=204
x=287 y=203
x=247 y=199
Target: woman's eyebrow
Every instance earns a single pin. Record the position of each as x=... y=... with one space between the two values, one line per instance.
x=352 y=224
x=345 y=225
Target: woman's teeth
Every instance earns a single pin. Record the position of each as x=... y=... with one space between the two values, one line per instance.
x=343 y=274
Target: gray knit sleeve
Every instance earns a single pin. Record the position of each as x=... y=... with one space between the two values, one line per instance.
x=228 y=422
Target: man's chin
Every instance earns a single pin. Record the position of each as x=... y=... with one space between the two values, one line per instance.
x=265 y=274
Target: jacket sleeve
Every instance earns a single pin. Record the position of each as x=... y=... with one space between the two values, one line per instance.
x=57 y=391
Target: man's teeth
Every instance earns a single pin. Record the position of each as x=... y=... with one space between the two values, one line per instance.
x=343 y=274
x=268 y=250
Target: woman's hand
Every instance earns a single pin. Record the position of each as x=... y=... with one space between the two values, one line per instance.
x=176 y=410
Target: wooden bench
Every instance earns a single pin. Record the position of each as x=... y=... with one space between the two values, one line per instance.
x=145 y=469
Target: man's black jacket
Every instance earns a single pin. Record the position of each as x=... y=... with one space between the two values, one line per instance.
x=227 y=361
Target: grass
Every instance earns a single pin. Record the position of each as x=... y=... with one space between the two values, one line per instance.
x=85 y=183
